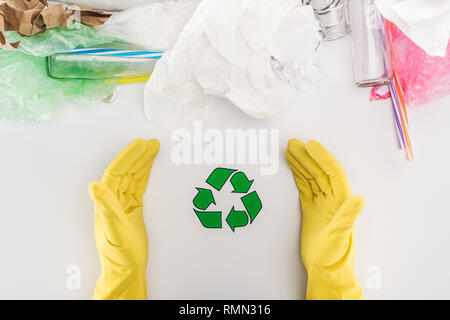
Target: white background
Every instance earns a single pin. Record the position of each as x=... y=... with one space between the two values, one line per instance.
x=48 y=218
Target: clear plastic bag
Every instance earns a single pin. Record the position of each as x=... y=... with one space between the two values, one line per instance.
x=28 y=94
x=423 y=78
x=59 y=40
x=153 y=26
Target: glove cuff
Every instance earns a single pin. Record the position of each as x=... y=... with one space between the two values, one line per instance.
x=125 y=285
x=333 y=285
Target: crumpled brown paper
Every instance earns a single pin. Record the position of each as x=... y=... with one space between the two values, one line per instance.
x=55 y=16
x=58 y=16
x=3 y=42
x=29 y=17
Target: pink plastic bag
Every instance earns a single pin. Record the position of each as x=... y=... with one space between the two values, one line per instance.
x=422 y=78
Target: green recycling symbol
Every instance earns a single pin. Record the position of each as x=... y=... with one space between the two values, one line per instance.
x=236 y=218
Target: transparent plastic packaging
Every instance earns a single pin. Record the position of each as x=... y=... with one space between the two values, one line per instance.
x=423 y=78
x=59 y=40
x=153 y=26
x=224 y=50
x=28 y=94
x=371 y=67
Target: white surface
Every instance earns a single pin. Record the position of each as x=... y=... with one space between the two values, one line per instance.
x=48 y=219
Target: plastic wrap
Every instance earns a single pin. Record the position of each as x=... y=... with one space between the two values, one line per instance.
x=296 y=62
x=59 y=40
x=153 y=26
x=28 y=94
x=226 y=50
x=423 y=78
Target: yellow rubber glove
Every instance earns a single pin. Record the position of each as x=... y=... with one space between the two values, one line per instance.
x=119 y=223
x=329 y=212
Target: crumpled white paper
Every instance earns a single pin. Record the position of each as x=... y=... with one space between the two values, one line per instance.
x=153 y=26
x=426 y=22
x=226 y=50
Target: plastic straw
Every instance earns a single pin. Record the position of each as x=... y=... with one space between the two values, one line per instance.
x=398 y=102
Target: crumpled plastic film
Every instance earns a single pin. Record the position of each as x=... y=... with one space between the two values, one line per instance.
x=224 y=50
x=59 y=40
x=296 y=62
x=152 y=26
x=423 y=78
x=28 y=94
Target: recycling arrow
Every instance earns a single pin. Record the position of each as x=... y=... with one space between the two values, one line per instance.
x=240 y=183
x=252 y=204
x=236 y=217
x=219 y=177
x=210 y=219
x=203 y=198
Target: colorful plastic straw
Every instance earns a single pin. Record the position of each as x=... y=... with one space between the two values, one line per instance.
x=398 y=102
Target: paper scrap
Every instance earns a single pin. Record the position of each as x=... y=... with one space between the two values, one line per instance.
x=30 y=17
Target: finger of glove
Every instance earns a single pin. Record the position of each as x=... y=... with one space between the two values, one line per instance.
x=304 y=187
x=109 y=211
x=322 y=179
x=130 y=180
x=131 y=194
x=329 y=164
x=297 y=167
x=123 y=162
x=341 y=225
x=142 y=176
x=128 y=201
x=308 y=167
x=146 y=160
x=142 y=183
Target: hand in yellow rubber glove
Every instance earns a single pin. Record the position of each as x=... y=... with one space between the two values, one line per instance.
x=329 y=212
x=119 y=224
